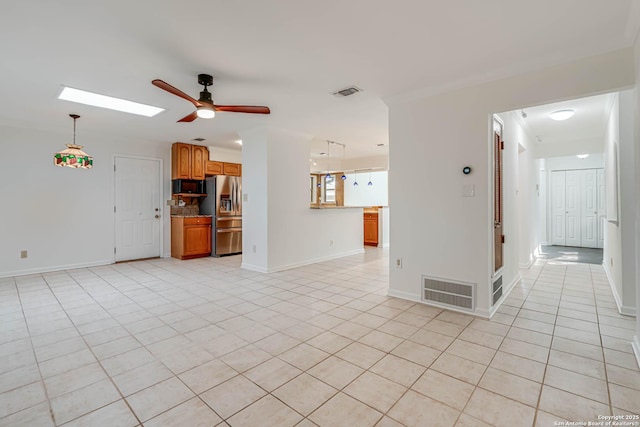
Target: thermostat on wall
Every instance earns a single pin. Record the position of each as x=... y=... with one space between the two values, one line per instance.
x=466 y=170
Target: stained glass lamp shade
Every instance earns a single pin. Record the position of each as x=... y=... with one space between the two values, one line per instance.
x=73 y=156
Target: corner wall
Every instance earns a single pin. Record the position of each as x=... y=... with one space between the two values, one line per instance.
x=276 y=218
x=437 y=231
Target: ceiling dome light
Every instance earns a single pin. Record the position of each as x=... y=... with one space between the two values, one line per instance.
x=582 y=156
x=562 y=114
x=206 y=112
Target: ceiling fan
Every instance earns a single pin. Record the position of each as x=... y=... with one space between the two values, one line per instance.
x=205 y=108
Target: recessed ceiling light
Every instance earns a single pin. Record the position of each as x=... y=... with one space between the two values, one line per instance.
x=562 y=114
x=239 y=142
x=103 y=101
x=582 y=156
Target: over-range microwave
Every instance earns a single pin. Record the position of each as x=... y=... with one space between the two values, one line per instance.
x=191 y=186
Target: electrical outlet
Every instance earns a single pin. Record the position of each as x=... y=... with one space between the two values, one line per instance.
x=398 y=262
x=24 y=254
x=253 y=249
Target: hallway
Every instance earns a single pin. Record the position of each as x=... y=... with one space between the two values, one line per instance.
x=166 y=342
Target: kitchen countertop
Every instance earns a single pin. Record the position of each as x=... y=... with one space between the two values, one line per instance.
x=191 y=216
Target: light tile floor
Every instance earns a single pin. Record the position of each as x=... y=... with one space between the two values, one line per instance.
x=202 y=342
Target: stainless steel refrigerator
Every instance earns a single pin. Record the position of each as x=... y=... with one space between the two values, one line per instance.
x=224 y=203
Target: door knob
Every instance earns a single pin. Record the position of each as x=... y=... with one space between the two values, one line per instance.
x=157 y=209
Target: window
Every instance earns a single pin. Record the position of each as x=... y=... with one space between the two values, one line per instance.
x=329 y=193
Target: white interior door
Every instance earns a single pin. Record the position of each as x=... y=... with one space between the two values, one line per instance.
x=602 y=209
x=137 y=208
x=558 y=210
x=589 y=208
x=572 y=208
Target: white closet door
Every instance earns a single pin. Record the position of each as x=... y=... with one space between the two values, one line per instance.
x=558 y=210
x=589 y=208
x=572 y=208
x=602 y=210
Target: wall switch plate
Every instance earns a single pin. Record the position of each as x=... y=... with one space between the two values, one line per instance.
x=245 y=197
x=24 y=254
x=398 y=262
x=468 y=190
x=253 y=249
x=171 y=202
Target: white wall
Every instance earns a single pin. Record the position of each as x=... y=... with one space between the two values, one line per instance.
x=364 y=194
x=636 y=116
x=520 y=197
x=619 y=256
x=64 y=217
x=568 y=148
x=225 y=155
x=435 y=230
x=277 y=218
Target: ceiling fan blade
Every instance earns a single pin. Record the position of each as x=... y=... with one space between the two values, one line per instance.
x=191 y=117
x=251 y=109
x=177 y=92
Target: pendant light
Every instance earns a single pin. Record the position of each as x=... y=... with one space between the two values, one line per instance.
x=343 y=177
x=73 y=156
x=355 y=181
x=369 y=183
x=328 y=175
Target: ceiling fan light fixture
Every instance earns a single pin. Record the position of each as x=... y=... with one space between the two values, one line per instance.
x=206 y=112
x=560 y=115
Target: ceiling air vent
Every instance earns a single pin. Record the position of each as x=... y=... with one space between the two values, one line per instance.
x=347 y=91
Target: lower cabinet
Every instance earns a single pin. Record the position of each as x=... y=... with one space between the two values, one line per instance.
x=371 y=229
x=190 y=237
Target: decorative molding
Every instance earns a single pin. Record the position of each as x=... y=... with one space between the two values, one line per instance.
x=51 y=269
x=275 y=269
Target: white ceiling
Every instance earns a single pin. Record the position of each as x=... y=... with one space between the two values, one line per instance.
x=590 y=120
x=287 y=54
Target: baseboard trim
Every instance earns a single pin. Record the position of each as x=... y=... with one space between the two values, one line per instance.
x=416 y=298
x=622 y=309
x=275 y=269
x=635 y=344
x=55 y=268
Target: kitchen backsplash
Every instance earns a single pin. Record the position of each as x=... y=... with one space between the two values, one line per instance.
x=185 y=210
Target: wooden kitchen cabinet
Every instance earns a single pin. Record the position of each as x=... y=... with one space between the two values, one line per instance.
x=213 y=168
x=188 y=161
x=190 y=237
x=232 y=169
x=371 y=229
x=199 y=156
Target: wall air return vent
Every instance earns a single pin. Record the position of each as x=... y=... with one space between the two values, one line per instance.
x=497 y=290
x=347 y=91
x=449 y=293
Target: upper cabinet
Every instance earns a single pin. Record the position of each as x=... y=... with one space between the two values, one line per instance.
x=199 y=156
x=188 y=161
x=214 y=168
x=223 y=168
x=233 y=169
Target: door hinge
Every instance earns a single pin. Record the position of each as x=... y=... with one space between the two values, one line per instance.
x=502 y=145
x=114 y=209
x=114 y=251
x=503 y=238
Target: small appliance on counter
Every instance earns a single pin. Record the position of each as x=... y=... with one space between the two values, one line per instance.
x=224 y=203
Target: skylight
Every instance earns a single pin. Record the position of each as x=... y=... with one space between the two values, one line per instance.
x=103 y=101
